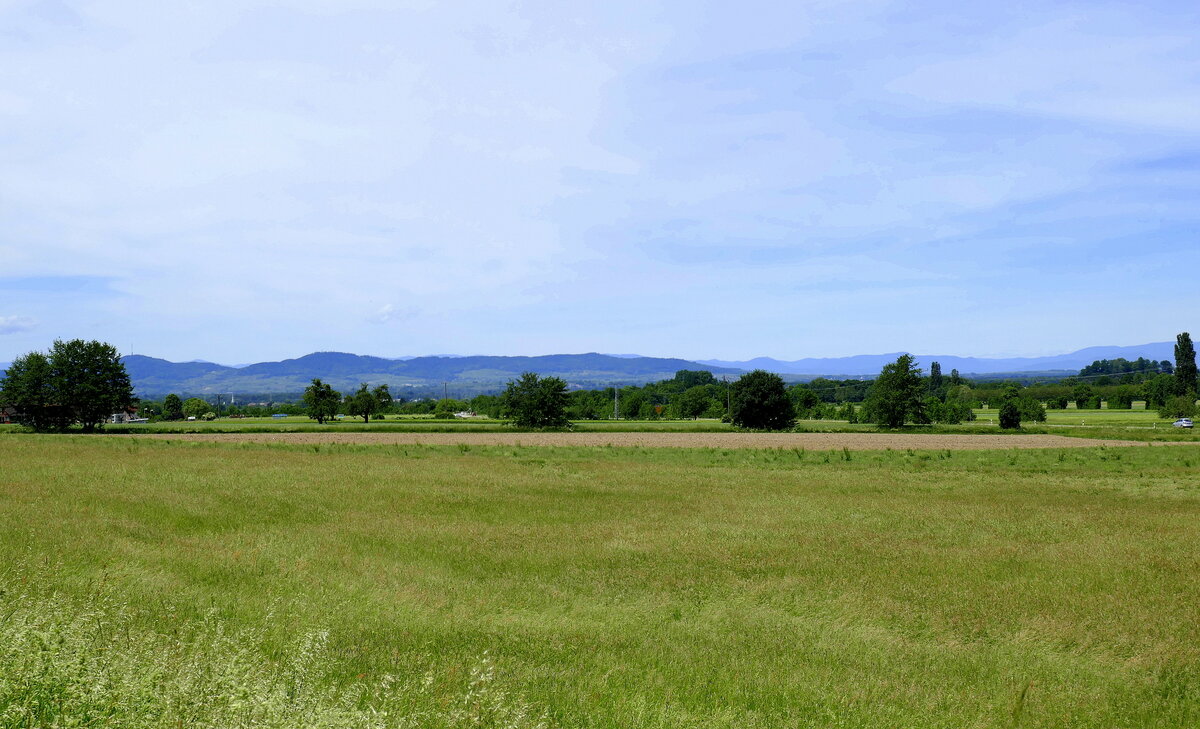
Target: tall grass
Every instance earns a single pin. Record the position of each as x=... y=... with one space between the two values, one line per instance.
x=67 y=662
x=197 y=583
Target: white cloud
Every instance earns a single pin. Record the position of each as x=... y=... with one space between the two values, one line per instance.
x=15 y=324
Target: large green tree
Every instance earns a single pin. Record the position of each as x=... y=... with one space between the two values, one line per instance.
x=27 y=387
x=78 y=381
x=1185 y=365
x=694 y=401
x=897 y=395
x=365 y=403
x=172 y=407
x=321 y=400
x=536 y=402
x=759 y=400
x=195 y=407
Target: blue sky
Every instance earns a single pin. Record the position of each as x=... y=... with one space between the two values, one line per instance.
x=239 y=182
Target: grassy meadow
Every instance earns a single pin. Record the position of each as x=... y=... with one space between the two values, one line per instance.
x=170 y=583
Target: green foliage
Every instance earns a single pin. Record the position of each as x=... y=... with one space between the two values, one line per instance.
x=848 y=412
x=172 y=408
x=536 y=402
x=897 y=396
x=321 y=400
x=366 y=402
x=687 y=379
x=1129 y=372
x=760 y=402
x=76 y=382
x=1122 y=399
x=1031 y=410
x=1085 y=397
x=29 y=387
x=447 y=407
x=1010 y=414
x=952 y=411
x=694 y=401
x=1181 y=406
x=936 y=381
x=489 y=405
x=1185 y=365
x=194 y=407
x=804 y=400
x=1156 y=391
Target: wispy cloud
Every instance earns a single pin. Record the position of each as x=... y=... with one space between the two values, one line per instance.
x=14 y=324
x=245 y=181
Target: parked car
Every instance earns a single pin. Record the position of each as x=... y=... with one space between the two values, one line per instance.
x=1183 y=423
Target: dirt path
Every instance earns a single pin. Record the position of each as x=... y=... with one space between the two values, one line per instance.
x=809 y=441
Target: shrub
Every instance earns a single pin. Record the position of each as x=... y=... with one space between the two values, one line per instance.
x=1031 y=410
x=1010 y=415
x=1183 y=406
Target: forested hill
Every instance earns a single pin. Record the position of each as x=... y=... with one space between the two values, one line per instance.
x=464 y=375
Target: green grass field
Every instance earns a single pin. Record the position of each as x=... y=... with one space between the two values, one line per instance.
x=185 y=584
x=1136 y=424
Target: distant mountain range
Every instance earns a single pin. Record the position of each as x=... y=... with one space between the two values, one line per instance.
x=462 y=376
x=870 y=364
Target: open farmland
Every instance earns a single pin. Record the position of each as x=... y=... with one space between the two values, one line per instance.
x=857 y=441
x=167 y=583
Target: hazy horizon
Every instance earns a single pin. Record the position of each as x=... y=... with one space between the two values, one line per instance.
x=246 y=182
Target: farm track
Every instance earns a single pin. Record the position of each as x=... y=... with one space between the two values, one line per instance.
x=808 y=441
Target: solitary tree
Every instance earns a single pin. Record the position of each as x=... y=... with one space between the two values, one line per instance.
x=536 y=402
x=1010 y=414
x=321 y=400
x=366 y=402
x=1185 y=365
x=759 y=400
x=897 y=395
x=172 y=407
x=76 y=382
x=194 y=407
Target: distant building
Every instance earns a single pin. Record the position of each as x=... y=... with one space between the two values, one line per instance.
x=128 y=415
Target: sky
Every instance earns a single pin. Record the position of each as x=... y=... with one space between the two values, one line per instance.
x=239 y=181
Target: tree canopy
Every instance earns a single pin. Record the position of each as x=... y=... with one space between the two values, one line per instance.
x=536 y=402
x=194 y=407
x=172 y=408
x=321 y=400
x=760 y=401
x=1185 y=365
x=897 y=395
x=366 y=403
x=77 y=381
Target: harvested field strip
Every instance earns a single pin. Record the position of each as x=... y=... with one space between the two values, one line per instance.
x=808 y=441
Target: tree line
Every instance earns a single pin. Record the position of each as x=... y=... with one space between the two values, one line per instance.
x=80 y=382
